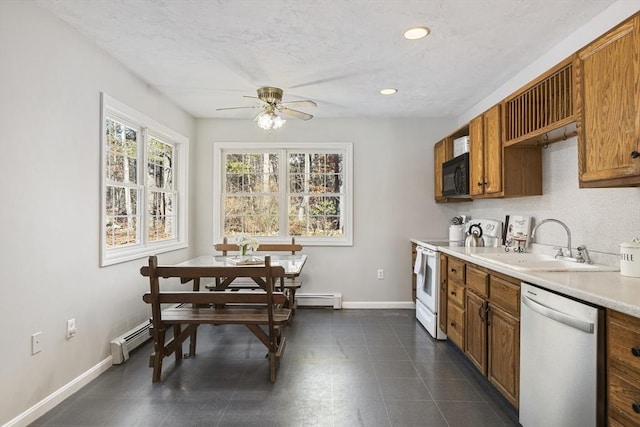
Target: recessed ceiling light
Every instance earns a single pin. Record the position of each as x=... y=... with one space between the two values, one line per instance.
x=388 y=91
x=416 y=33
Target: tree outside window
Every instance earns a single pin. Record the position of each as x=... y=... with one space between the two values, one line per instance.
x=280 y=192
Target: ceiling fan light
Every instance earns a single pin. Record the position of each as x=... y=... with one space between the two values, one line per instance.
x=388 y=91
x=269 y=121
x=278 y=122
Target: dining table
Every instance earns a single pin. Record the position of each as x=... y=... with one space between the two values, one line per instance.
x=292 y=264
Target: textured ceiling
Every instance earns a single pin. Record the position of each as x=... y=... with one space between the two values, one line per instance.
x=206 y=54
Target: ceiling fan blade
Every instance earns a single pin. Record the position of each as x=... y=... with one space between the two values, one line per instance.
x=303 y=103
x=237 y=108
x=295 y=113
x=255 y=97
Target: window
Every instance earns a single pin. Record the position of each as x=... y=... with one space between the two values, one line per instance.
x=144 y=185
x=276 y=191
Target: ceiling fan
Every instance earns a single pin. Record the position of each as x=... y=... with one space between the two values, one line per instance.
x=271 y=104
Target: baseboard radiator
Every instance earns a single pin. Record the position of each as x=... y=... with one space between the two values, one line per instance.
x=320 y=300
x=121 y=346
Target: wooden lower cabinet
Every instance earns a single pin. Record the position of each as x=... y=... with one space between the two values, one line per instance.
x=442 y=316
x=455 y=324
x=475 y=328
x=504 y=353
x=483 y=320
x=623 y=361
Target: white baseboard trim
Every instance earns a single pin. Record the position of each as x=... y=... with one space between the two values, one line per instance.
x=379 y=305
x=49 y=402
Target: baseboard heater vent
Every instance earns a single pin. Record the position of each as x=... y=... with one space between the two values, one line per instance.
x=320 y=300
x=121 y=346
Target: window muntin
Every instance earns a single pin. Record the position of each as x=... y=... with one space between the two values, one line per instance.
x=144 y=191
x=314 y=204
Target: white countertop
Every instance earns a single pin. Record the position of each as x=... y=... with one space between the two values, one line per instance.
x=606 y=289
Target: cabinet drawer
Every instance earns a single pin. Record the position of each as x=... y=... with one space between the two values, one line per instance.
x=624 y=340
x=455 y=272
x=505 y=294
x=614 y=423
x=456 y=293
x=624 y=396
x=478 y=281
x=455 y=324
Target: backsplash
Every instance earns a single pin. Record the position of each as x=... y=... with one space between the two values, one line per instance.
x=600 y=218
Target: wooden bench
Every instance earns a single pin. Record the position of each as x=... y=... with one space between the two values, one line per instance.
x=288 y=285
x=255 y=310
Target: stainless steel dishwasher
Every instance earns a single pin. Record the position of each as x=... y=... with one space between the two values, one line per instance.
x=561 y=361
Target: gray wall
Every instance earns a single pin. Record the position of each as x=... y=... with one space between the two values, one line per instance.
x=50 y=84
x=393 y=200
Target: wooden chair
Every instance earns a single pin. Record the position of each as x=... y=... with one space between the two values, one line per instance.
x=292 y=247
x=288 y=285
x=218 y=308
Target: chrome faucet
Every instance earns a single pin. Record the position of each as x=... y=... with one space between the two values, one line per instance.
x=560 y=253
x=583 y=255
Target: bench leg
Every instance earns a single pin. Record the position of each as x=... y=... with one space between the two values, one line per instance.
x=292 y=303
x=177 y=329
x=158 y=355
x=273 y=367
x=192 y=342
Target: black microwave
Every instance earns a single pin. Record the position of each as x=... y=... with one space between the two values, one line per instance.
x=455 y=176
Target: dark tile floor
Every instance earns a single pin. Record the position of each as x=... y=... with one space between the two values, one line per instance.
x=340 y=368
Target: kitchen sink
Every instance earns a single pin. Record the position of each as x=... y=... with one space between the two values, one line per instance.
x=539 y=262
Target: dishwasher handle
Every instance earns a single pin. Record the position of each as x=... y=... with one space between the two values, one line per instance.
x=558 y=316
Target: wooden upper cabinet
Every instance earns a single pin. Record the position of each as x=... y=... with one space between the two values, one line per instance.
x=498 y=171
x=441 y=153
x=608 y=101
x=534 y=112
x=492 y=151
x=476 y=157
x=485 y=154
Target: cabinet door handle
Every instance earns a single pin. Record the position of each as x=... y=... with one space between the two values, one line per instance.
x=635 y=154
x=479 y=184
x=453 y=270
x=486 y=313
x=636 y=407
x=452 y=324
x=454 y=293
x=480 y=310
x=635 y=351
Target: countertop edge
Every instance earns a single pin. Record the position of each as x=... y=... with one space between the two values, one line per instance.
x=579 y=285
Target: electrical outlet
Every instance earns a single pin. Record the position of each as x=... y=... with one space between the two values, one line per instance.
x=71 y=328
x=36 y=343
x=380 y=274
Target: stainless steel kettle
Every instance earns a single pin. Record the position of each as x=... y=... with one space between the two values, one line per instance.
x=474 y=237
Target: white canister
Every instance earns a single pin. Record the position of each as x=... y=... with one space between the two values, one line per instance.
x=456 y=234
x=630 y=258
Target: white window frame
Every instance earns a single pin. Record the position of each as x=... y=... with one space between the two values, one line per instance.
x=110 y=107
x=345 y=148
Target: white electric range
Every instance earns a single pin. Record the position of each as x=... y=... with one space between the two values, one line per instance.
x=427 y=270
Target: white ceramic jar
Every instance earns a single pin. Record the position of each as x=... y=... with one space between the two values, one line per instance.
x=630 y=258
